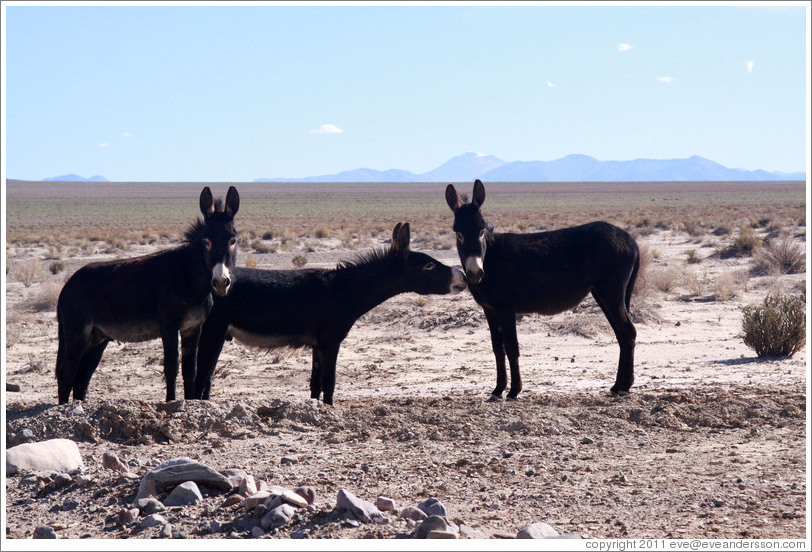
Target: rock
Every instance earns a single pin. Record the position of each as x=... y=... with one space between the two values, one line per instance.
x=248 y=485
x=293 y=498
x=415 y=514
x=244 y=523
x=364 y=511
x=127 y=515
x=587 y=441
x=44 y=532
x=77 y=411
x=180 y=470
x=149 y=506
x=153 y=520
x=306 y=492
x=112 y=462
x=433 y=507
x=289 y=460
x=257 y=532
x=538 y=530
x=278 y=516
x=506 y=454
x=183 y=494
x=13 y=387
x=431 y=523
x=62 y=480
x=385 y=504
x=233 y=500
x=441 y=535
x=256 y=499
x=166 y=531
x=566 y=536
x=61 y=455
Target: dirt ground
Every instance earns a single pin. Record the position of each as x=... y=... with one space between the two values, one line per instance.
x=710 y=444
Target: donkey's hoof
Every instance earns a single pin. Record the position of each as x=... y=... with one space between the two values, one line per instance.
x=509 y=398
x=494 y=398
x=620 y=393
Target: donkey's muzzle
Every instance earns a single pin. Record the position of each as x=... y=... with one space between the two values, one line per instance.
x=473 y=270
x=457 y=280
x=221 y=279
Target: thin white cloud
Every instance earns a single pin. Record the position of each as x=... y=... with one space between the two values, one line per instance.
x=667 y=80
x=104 y=145
x=750 y=65
x=329 y=128
x=126 y=134
x=623 y=47
x=550 y=84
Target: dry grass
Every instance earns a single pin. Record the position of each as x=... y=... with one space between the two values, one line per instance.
x=780 y=256
x=665 y=279
x=27 y=271
x=777 y=327
x=46 y=297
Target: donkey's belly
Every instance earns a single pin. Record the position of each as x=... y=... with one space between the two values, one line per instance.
x=137 y=331
x=272 y=341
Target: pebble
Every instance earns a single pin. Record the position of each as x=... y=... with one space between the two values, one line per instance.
x=385 y=504
x=307 y=492
x=364 y=511
x=257 y=532
x=433 y=507
x=293 y=498
x=62 y=480
x=149 y=506
x=184 y=494
x=233 y=500
x=77 y=411
x=587 y=441
x=13 y=387
x=530 y=473
x=112 y=462
x=248 y=485
x=278 y=516
x=256 y=499
x=127 y=515
x=166 y=531
x=506 y=454
x=471 y=533
x=60 y=455
x=44 y=532
x=538 y=530
x=153 y=520
x=289 y=459
x=441 y=535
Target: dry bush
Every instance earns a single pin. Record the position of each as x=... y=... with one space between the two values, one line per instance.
x=745 y=244
x=665 y=279
x=780 y=256
x=250 y=261
x=27 y=271
x=729 y=284
x=56 y=267
x=299 y=261
x=693 y=258
x=46 y=297
x=694 y=283
x=642 y=284
x=261 y=247
x=322 y=233
x=776 y=328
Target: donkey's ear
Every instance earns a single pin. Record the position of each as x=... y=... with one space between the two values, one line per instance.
x=206 y=202
x=401 y=238
x=479 y=194
x=232 y=201
x=452 y=198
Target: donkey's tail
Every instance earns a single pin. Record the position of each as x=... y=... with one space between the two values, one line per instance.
x=632 y=278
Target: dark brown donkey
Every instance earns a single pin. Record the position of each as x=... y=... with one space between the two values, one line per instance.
x=158 y=295
x=547 y=273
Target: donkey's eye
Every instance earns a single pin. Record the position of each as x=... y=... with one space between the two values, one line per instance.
x=207 y=243
x=232 y=242
x=429 y=266
x=460 y=237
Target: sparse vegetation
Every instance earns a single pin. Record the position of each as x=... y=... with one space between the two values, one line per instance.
x=744 y=244
x=28 y=270
x=46 y=297
x=299 y=261
x=665 y=279
x=780 y=256
x=250 y=261
x=56 y=267
x=777 y=327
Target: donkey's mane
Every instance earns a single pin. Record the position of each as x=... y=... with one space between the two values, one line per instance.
x=366 y=258
x=195 y=230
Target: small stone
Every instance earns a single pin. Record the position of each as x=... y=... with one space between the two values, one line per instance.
x=364 y=511
x=538 y=530
x=433 y=507
x=441 y=535
x=385 y=504
x=587 y=441
x=13 y=387
x=530 y=473
x=62 y=480
x=671 y=451
x=412 y=513
x=244 y=523
x=216 y=526
x=431 y=523
x=307 y=492
x=232 y=500
x=289 y=459
x=83 y=480
x=293 y=498
x=166 y=531
x=153 y=520
x=506 y=454
x=149 y=506
x=77 y=411
x=112 y=462
x=60 y=455
x=500 y=535
x=127 y=515
x=44 y=532
x=248 y=485
x=471 y=533
x=184 y=494
x=256 y=499
x=257 y=532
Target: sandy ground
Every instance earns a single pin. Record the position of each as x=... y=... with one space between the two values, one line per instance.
x=710 y=444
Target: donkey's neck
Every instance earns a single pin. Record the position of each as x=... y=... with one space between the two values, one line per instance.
x=369 y=283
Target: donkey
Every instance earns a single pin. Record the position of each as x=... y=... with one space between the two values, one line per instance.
x=547 y=273
x=157 y=295
x=316 y=307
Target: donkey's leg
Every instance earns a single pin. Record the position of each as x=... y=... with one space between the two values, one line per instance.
x=612 y=303
x=188 y=361
x=498 y=352
x=71 y=349
x=508 y=323
x=169 y=338
x=212 y=337
x=329 y=356
x=315 y=373
x=90 y=360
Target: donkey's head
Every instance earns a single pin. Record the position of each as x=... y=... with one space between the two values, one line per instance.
x=218 y=238
x=473 y=232
x=423 y=273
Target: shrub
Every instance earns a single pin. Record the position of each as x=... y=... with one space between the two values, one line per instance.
x=665 y=279
x=56 y=267
x=322 y=233
x=47 y=297
x=777 y=328
x=27 y=271
x=692 y=257
x=780 y=256
x=250 y=261
x=299 y=261
x=267 y=235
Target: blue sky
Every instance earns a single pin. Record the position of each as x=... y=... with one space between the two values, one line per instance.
x=235 y=93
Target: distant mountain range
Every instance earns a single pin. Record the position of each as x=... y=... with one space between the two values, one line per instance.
x=75 y=178
x=572 y=168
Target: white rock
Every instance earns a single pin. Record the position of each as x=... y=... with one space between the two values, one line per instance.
x=61 y=455
x=183 y=494
x=538 y=530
